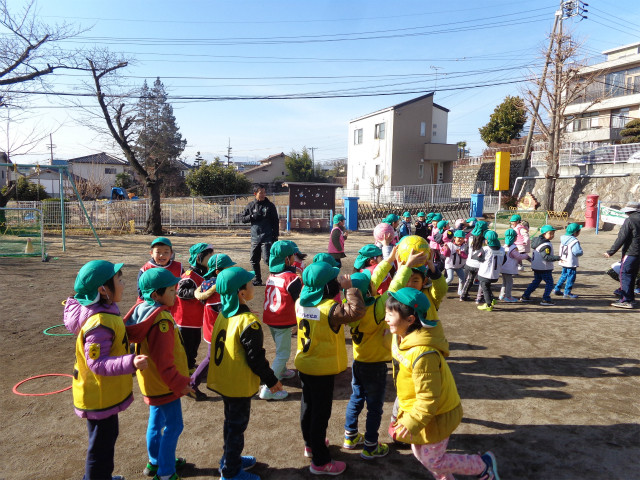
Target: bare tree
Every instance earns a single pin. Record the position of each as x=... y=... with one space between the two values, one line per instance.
x=562 y=87
x=377 y=183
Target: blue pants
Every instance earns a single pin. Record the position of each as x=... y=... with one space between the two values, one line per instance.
x=163 y=431
x=102 y=441
x=368 y=382
x=538 y=277
x=236 y=418
x=568 y=275
x=628 y=273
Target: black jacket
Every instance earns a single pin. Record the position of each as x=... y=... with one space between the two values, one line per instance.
x=251 y=340
x=265 y=225
x=628 y=237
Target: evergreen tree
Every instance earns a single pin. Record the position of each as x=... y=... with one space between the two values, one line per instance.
x=300 y=167
x=631 y=132
x=506 y=122
x=216 y=179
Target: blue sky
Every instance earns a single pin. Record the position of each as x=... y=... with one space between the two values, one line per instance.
x=402 y=49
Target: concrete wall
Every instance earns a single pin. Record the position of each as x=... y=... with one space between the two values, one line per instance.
x=268 y=173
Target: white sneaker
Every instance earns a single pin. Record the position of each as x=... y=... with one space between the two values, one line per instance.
x=265 y=394
x=287 y=374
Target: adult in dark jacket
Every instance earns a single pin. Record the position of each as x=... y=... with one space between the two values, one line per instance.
x=265 y=229
x=629 y=240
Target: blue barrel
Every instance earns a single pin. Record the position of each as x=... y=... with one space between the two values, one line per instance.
x=351 y=213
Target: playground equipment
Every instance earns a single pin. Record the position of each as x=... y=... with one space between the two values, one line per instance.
x=119 y=193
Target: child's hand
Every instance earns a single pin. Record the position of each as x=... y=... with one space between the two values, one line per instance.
x=276 y=388
x=393 y=255
x=140 y=362
x=402 y=431
x=345 y=281
x=187 y=390
x=388 y=238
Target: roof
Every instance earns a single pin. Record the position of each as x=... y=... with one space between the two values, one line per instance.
x=61 y=163
x=400 y=105
x=271 y=157
x=267 y=162
x=99 y=158
x=623 y=47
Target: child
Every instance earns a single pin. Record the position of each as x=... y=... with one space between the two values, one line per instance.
x=471 y=267
x=368 y=257
x=321 y=355
x=207 y=293
x=455 y=258
x=102 y=383
x=429 y=404
x=188 y=310
x=405 y=227
x=522 y=242
x=161 y=256
x=542 y=265
x=280 y=295
x=421 y=226
x=298 y=259
x=239 y=365
x=570 y=251
x=510 y=266
x=491 y=258
x=150 y=325
x=337 y=238
x=326 y=258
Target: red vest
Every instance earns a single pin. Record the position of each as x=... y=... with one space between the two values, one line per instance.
x=384 y=286
x=210 y=316
x=173 y=266
x=279 y=307
x=189 y=312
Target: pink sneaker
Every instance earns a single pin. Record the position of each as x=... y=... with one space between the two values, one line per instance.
x=307 y=450
x=334 y=467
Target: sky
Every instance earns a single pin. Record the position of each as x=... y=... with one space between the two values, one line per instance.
x=326 y=62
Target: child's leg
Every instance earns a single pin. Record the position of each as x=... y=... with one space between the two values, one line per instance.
x=317 y=400
x=282 y=339
x=461 y=279
x=236 y=419
x=485 y=287
x=548 y=284
x=507 y=285
x=374 y=377
x=154 y=433
x=102 y=440
x=356 y=401
x=172 y=413
x=562 y=279
x=571 y=278
x=537 y=278
x=191 y=338
x=202 y=371
x=443 y=465
x=449 y=278
x=471 y=275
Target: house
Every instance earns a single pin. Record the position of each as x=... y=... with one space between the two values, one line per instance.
x=271 y=169
x=405 y=144
x=609 y=101
x=183 y=168
x=99 y=168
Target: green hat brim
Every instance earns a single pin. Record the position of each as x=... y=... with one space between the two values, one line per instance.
x=162 y=241
x=89 y=295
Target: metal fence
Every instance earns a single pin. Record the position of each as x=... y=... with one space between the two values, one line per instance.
x=411 y=194
x=580 y=155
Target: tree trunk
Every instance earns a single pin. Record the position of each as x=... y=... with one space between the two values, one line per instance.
x=154 y=221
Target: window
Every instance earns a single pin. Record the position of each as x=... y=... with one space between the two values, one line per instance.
x=357 y=137
x=421 y=171
x=379 y=132
x=111 y=171
x=377 y=170
x=423 y=129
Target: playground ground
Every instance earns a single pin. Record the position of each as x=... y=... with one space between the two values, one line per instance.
x=553 y=391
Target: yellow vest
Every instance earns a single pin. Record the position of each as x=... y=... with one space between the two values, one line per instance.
x=229 y=374
x=149 y=379
x=92 y=392
x=321 y=351
x=371 y=338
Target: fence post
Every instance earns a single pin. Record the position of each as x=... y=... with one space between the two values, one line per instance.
x=615 y=153
x=288 y=219
x=193 y=211
x=170 y=216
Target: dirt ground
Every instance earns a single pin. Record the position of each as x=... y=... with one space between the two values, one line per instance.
x=553 y=391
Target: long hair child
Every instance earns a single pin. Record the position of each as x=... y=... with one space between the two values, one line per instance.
x=429 y=404
x=102 y=382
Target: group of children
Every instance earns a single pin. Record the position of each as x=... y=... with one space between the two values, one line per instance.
x=389 y=305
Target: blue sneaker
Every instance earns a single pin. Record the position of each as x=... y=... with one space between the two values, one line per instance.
x=491 y=471
x=247 y=462
x=570 y=295
x=242 y=476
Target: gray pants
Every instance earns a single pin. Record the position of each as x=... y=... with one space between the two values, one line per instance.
x=258 y=248
x=507 y=284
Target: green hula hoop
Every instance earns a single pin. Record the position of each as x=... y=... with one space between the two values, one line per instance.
x=46 y=332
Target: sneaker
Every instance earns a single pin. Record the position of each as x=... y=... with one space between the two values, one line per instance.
x=241 y=476
x=352 y=441
x=265 y=394
x=334 y=467
x=501 y=298
x=197 y=395
x=636 y=291
x=287 y=374
x=622 y=304
x=463 y=298
x=381 y=450
x=570 y=295
x=257 y=283
x=150 y=470
x=547 y=303
x=525 y=299
x=493 y=302
x=485 y=307
x=247 y=462
x=557 y=292
x=520 y=268
x=510 y=299
x=118 y=477
x=491 y=472
x=307 y=450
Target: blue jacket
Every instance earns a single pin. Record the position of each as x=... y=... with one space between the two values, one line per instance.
x=404 y=229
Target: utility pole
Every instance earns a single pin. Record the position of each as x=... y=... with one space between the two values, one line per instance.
x=51 y=147
x=436 y=70
x=228 y=155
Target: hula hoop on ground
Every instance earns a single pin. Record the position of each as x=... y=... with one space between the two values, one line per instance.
x=15 y=388
x=46 y=332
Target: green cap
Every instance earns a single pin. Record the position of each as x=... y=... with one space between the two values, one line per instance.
x=436 y=217
x=337 y=218
x=361 y=281
x=326 y=258
x=510 y=236
x=406 y=214
x=196 y=252
x=91 y=276
x=314 y=278
x=479 y=228
x=161 y=241
x=547 y=228
x=515 y=218
x=228 y=285
x=420 y=214
x=366 y=252
x=573 y=228
x=155 y=279
x=418 y=301
x=218 y=261
x=470 y=220
x=430 y=217
x=458 y=234
x=295 y=246
x=441 y=224
x=392 y=217
x=492 y=238
x=280 y=250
